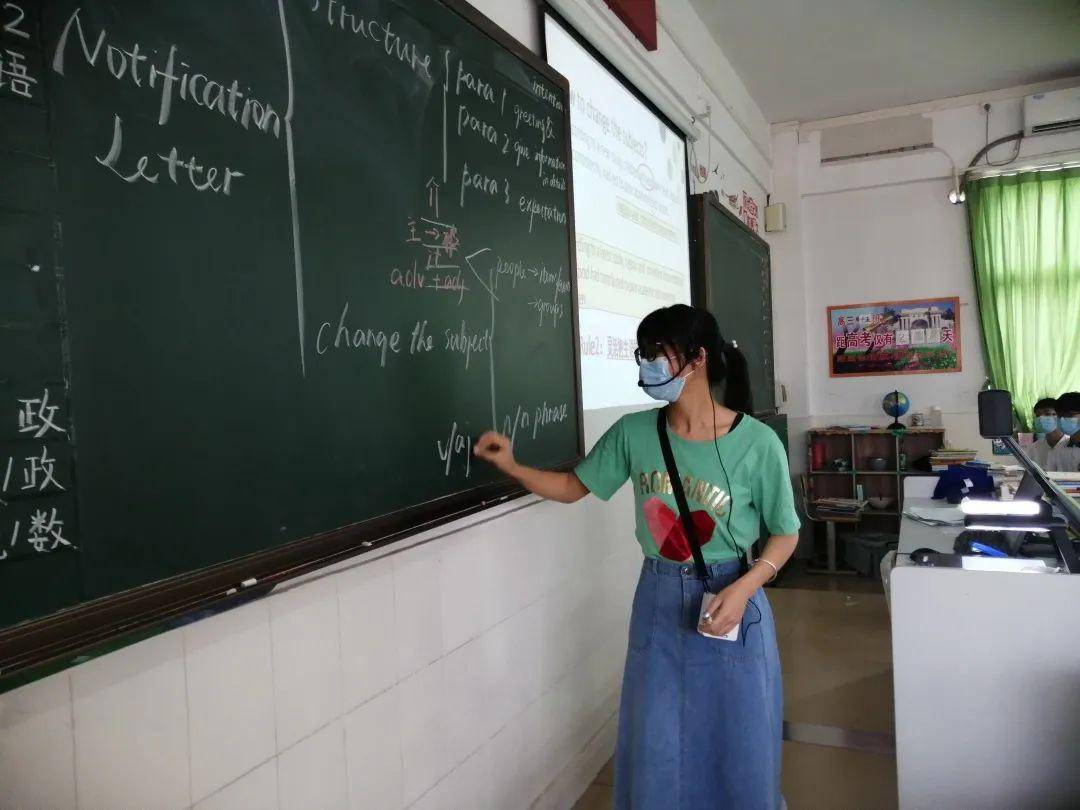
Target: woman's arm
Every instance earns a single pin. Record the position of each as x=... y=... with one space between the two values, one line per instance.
x=728 y=606
x=778 y=550
x=563 y=487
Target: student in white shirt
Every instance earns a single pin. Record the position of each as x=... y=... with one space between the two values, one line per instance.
x=1068 y=412
x=1053 y=441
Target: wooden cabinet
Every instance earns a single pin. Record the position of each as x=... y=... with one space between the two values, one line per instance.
x=841 y=460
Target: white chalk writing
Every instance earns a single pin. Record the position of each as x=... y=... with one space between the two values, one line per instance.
x=538 y=210
x=12 y=27
x=545 y=93
x=473 y=85
x=542 y=124
x=37 y=416
x=213 y=180
x=466 y=342
x=367 y=338
x=222 y=97
x=339 y=16
x=457 y=447
x=39 y=472
x=15 y=75
x=482 y=183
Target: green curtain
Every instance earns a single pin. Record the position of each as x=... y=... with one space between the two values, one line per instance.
x=1025 y=240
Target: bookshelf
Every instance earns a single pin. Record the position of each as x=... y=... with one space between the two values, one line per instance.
x=857 y=449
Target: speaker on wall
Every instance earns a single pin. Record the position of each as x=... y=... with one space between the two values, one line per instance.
x=995 y=414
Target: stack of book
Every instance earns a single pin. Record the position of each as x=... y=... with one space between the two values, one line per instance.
x=1008 y=474
x=945 y=457
x=1070 y=482
x=840 y=507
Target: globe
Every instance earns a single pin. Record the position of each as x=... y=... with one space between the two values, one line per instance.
x=895 y=404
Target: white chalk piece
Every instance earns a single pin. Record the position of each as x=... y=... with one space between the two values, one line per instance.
x=247 y=583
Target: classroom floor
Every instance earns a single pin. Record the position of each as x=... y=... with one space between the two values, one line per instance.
x=836 y=653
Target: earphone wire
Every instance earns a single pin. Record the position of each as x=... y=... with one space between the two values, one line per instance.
x=727 y=478
x=731 y=508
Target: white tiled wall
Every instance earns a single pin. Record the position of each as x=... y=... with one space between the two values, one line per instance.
x=462 y=672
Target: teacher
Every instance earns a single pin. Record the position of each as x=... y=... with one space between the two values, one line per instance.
x=700 y=716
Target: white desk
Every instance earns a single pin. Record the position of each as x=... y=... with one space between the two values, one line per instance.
x=986 y=670
x=915 y=535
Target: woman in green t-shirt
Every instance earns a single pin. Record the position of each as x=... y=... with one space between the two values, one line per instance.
x=700 y=717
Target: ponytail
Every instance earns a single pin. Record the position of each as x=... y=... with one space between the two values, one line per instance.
x=737 y=394
x=688 y=330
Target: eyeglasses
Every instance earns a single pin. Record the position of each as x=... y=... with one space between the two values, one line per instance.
x=648 y=356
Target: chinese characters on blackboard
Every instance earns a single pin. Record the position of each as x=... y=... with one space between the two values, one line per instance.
x=18 y=53
x=36 y=479
x=35 y=475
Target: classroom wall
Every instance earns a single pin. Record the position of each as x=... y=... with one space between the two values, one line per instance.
x=877 y=230
x=477 y=666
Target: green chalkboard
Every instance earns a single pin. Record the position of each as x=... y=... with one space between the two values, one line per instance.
x=270 y=267
x=734 y=283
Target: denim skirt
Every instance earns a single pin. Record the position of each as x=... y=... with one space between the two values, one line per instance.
x=700 y=719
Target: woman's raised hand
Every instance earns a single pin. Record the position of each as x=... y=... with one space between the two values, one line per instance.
x=495 y=448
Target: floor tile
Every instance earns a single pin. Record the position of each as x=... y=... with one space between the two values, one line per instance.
x=597 y=797
x=820 y=778
x=607 y=774
x=836 y=655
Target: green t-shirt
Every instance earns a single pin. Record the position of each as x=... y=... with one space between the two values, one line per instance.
x=759 y=487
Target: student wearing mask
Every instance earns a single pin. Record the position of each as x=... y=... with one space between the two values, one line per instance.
x=1051 y=440
x=700 y=717
x=1068 y=411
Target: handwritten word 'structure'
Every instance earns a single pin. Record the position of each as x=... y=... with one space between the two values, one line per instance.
x=339 y=15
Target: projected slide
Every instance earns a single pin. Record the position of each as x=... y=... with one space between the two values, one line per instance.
x=630 y=214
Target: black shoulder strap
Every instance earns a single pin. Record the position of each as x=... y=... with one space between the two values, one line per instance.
x=680 y=495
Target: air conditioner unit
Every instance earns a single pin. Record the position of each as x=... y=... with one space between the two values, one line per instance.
x=1056 y=111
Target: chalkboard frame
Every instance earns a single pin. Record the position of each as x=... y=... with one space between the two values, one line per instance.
x=37 y=647
x=700 y=261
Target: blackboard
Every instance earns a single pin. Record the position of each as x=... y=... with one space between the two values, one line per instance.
x=267 y=269
x=733 y=279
